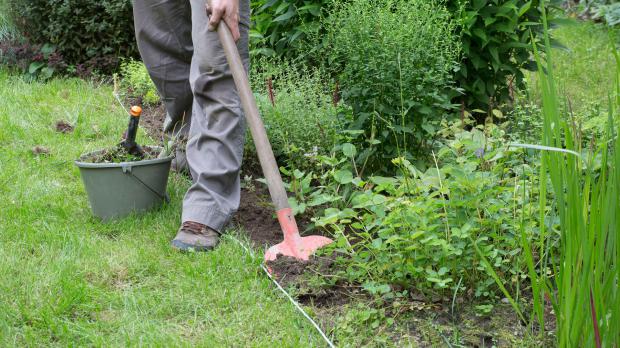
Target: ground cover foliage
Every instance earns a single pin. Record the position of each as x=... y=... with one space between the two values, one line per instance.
x=418 y=230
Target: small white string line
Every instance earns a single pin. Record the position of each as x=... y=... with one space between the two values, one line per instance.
x=118 y=99
x=290 y=298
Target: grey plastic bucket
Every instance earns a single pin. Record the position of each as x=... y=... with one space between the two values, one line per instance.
x=116 y=190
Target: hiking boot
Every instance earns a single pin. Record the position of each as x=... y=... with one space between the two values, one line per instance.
x=193 y=236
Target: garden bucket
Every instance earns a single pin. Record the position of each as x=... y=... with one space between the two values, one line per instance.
x=116 y=190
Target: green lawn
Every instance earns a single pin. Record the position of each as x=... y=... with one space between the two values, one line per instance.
x=583 y=70
x=68 y=279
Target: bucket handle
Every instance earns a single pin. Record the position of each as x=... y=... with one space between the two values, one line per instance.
x=127 y=169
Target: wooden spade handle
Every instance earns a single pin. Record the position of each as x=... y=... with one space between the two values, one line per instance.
x=254 y=121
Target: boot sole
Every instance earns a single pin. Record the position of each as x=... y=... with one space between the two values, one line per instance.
x=184 y=247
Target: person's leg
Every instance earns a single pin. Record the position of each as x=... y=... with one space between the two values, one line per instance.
x=164 y=36
x=217 y=133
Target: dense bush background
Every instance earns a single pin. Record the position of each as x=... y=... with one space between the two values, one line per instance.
x=280 y=27
x=7 y=30
x=496 y=37
x=607 y=11
x=82 y=31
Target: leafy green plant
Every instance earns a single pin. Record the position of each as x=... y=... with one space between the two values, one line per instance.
x=497 y=38
x=137 y=82
x=396 y=77
x=35 y=62
x=609 y=12
x=7 y=28
x=41 y=69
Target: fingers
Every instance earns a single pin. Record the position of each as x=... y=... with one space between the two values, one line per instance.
x=229 y=15
x=216 y=16
x=233 y=25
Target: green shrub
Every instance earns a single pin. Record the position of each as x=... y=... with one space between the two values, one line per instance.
x=137 y=82
x=394 y=60
x=608 y=12
x=81 y=30
x=302 y=120
x=495 y=37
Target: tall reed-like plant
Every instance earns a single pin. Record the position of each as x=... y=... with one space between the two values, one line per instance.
x=583 y=287
x=582 y=187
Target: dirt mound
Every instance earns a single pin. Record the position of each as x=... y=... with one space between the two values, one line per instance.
x=40 y=150
x=256 y=216
x=291 y=272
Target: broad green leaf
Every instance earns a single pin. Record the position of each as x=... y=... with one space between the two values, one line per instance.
x=35 y=66
x=349 y=150
x=343 y=176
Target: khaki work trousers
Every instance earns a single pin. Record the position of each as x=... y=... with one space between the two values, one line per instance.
x=188 y=66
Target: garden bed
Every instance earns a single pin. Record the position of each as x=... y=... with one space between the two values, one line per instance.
x=347 y=309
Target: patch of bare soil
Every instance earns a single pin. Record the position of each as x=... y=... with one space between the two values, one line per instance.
x=152 y=120
x=256 y=216
x=291 y=272
x=64 y=127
